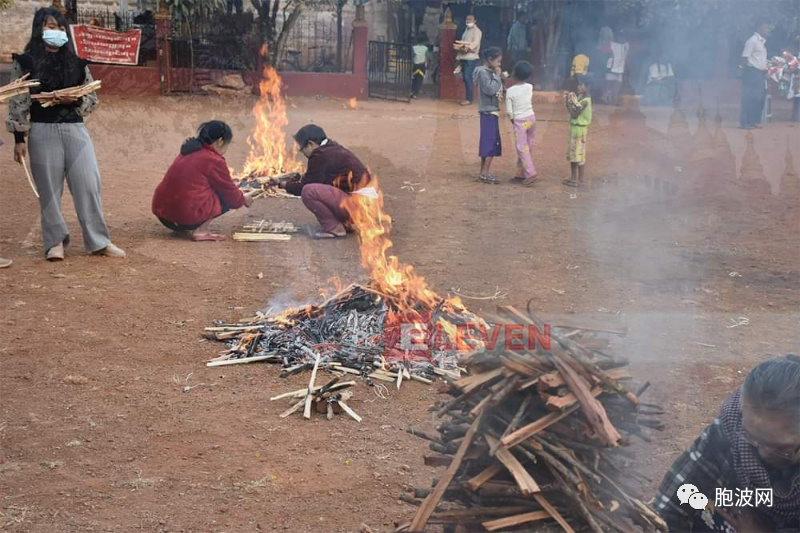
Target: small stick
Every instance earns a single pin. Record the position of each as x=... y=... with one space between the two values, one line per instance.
x=346 y=408
x=30 y=178
x=239 y=361
x=310 y=394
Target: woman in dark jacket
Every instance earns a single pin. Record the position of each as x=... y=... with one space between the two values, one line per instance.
x=198 y=187
x=333 y=172
x=60 y=146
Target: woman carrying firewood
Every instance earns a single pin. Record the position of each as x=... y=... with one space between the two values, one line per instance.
x=746 y=463
x=59 y=144
x=198 y=187
x=333 y=172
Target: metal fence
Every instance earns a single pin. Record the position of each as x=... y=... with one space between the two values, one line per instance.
x=389 y=70
x=311 y=45
x=223 y=42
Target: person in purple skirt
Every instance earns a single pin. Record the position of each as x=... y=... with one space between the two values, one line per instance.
x=490 y=82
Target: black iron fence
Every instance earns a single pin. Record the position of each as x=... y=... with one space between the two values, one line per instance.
x=223 y=42
x=389 y=70
x=312 y=45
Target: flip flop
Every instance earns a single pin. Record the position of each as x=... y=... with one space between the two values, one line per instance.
x=328 y=235
x=571 y=183
x=208 y=236
x=489 y=179
x=529 y=182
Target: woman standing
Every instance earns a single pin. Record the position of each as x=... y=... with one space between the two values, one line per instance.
x=60 y=146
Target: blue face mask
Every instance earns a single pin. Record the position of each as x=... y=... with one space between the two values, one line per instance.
x=55 y=38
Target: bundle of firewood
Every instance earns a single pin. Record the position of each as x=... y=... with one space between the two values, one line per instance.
x=533 y=438
x=17 y=87
x=52 y=98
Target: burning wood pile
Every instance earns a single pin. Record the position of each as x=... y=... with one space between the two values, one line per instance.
x=533 y=437
x=356 y=331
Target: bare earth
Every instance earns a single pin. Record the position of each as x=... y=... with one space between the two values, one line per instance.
x=97 y=433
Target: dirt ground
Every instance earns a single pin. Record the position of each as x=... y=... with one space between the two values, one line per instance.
x=97 y=433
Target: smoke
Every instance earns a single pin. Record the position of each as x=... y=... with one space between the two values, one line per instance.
x=281 y=302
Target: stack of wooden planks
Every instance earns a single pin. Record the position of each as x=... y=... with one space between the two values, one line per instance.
x=52 y=98
x=265 y=230
x=17 y=87
x=532 y=437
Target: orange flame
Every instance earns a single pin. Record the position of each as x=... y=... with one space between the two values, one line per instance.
x=269 y=155
x=352 y=103
x=400 y=283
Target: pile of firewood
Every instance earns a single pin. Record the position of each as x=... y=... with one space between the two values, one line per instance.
x=17 y=87
x=52 y=98
x=533 y=438
x=346 y=333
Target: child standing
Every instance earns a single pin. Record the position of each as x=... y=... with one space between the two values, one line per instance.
x=580 y=116
x=420 y=58
x=519 y=108
x=490 y=82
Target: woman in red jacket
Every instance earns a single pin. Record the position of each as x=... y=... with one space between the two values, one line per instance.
x=198 y=186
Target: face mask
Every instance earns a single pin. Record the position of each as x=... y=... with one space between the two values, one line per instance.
x=55 y=38
x=470 y=24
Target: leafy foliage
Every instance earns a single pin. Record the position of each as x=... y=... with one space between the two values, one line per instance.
x=5 y=4
x=194 y=8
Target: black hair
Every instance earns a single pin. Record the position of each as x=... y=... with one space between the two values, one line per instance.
x=422 y=38
x=521 y=14
x=309 y=133
x=586 y=80
x=54 y=70
x=774 y=385
x=36 y=47
x=491 y=53
x=523 y=71
x=208 y=133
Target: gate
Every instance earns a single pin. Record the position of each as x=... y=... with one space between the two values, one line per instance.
x=389 y=70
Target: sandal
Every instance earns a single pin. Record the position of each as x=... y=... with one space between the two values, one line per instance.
x=208 y=236
x=328 y=235
x=571 y=183
x=489 y=179
x=529 y=182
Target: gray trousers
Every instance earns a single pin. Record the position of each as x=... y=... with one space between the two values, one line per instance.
x=65 y=150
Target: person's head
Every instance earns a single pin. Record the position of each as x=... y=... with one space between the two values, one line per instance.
x=522 y=17
x=48 y=32
x=309 y=138
x=422 y=38
x=471 y=21
x=763 y=29
x=584 y=84
x=771 y=410
x=214 y=134
x=523 y=71
x=493 y=57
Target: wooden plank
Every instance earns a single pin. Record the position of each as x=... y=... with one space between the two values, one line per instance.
x=537 y=426
x=592 y=409
x=258 y=237
x=239 y=361
x=553 y=512
x=310 y=393
x=485 y=475
x=516 y=520
x=472 y=382
x=557 y=403
x=429 y=505
x=524 y=480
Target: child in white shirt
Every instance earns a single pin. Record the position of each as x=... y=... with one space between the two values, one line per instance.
x=519 y=108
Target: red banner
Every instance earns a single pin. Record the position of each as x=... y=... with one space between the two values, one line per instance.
x=106 y=46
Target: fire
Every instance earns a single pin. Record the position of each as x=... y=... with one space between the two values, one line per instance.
x=269 y=155
x=352 y=103
x=401 y=284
